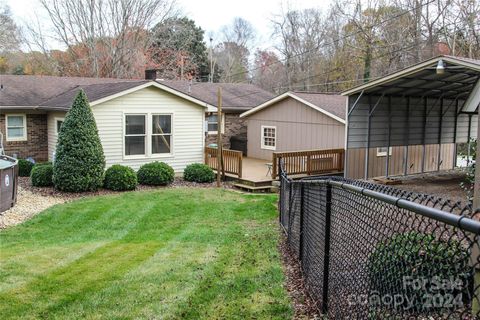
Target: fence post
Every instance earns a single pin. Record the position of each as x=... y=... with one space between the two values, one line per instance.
x=326 y=257
x=300 y=252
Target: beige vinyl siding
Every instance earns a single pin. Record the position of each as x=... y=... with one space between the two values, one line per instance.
x=298 y=127
x=377 y=165
x=52 y=136
x=187 y=127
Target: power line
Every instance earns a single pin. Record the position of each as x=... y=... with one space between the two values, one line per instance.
x=335 y=40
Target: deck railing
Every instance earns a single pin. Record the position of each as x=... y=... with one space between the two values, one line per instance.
x=309 y=162
x=232 y=160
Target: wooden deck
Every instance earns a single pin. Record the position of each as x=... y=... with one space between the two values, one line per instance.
x=256 y=170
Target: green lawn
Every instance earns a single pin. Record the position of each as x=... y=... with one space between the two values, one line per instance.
x=167 y=254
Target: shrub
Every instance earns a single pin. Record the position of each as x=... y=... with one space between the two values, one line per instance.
x=198 y=172
x=155 y=173
x=42 y=175
x=79 y=162
x=407 y=257
x=24 y=167
x=120 y=178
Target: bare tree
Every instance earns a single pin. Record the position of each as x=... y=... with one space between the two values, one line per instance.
x=106 y=38
x=10 y=36
x=232 y=53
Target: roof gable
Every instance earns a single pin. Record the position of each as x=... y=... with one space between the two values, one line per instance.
x=333 y=106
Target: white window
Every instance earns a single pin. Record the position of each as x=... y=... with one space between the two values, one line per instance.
x=382 y=151
x=16 y=127
x=212 y=123
x=269 y=137
x=148 y=135
x=161 y=133
x=135 y=134
x=58 y=124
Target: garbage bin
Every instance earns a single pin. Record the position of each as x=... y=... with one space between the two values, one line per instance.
x=8 y=182
x=239 y=143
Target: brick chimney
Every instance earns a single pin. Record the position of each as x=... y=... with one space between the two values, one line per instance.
x=150 y=74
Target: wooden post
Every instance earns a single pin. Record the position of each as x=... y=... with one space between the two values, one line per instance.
x=274 y=166
x=220 y=168
x=240 y=165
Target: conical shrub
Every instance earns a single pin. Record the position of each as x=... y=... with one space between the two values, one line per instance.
x=79 y=160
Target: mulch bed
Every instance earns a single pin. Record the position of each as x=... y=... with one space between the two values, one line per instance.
x=304 y=306
x=24 y=182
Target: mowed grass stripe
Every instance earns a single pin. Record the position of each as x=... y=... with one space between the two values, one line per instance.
x=169 y=254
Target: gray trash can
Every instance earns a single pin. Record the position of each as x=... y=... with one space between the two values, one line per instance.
x=8 y=182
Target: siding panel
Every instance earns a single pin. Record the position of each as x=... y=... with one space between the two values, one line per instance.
x=299 y=127
x=188 y=122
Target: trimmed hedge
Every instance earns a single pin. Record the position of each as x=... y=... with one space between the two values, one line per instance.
x=42 y=175
x=79 y=162
x=398 y=263
x=156 y=174
x=25 y=167
x=120 y=178
x=198 y=172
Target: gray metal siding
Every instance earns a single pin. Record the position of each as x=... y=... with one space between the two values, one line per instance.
x=410 y=128
x=299 y=127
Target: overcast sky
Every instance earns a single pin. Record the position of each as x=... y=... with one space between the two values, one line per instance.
x=211 y=15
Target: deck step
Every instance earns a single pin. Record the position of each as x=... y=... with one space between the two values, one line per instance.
x=253 y=188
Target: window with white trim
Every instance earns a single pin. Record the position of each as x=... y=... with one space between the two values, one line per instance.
x=382 y=151
x=212 y=123
x=16 y=125
x=161 y=133
x=58 y=124
x=269 y=137
x=135 y=134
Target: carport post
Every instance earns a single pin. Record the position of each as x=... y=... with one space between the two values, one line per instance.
x=425 y=114
x=406 y=136
x=476 y=249
x=455 y=136
x=367 y=152
x=440 y=135
x=387 y=164
x=370 y=112
x=469 y=137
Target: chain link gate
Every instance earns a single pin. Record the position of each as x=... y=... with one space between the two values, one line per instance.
x=370 y=251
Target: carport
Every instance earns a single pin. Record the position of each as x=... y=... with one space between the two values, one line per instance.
x=411 y=121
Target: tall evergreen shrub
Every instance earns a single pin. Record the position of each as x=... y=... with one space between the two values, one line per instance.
x=79 y=161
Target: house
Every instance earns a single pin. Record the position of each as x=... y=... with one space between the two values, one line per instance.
x=236 y=98
x=32 y=109
x=412 y=120
x=295 y=121
x=128 y=114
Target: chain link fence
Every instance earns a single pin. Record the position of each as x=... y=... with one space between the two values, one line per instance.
x=370 y=251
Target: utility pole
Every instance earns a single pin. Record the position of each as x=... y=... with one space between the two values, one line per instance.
x=211 y=61
x=220 y=168
x=181 y=67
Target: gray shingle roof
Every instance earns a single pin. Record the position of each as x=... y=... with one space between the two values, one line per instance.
x=332 y=103
x=49 y=92
x=31 y=91
x=235 y=96
x=93 y=91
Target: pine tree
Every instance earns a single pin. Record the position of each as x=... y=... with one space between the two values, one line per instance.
x=79 y=161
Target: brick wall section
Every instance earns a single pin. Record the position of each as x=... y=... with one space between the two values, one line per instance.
x=36 y=145
x=234 y=126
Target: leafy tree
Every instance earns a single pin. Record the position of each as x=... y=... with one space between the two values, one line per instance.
x=178 y=44
x=79 y=162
